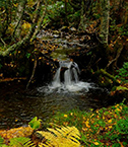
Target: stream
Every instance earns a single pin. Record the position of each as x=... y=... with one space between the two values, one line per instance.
x=18 y=110
x=66 y=91
x=62 y=94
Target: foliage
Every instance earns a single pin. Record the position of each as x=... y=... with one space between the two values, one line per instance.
x=17 y=142
x=21 y=142
x=1 y=141
x=74 y=17
x=103 y=127
x=64 y=137
x=123 y=73
x=35 y=123
x=56 y=14
x=122 y=126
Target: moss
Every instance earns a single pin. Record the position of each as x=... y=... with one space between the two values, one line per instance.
x=121 y=88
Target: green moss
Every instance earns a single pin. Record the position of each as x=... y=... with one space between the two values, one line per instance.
x=121 y=88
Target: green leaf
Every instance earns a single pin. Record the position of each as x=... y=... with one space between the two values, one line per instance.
x=35 y=123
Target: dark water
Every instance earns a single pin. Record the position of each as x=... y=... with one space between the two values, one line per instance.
x=18 y=109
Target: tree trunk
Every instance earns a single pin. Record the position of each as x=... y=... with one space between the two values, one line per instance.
x=28 y=37
x=104 y=29
x=40 y=22
x=19 y=15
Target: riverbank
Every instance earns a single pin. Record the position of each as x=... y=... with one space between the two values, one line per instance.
x=100 y=128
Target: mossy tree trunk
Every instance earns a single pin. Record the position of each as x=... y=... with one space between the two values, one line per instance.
x=104 y=28
x=19 y=15
x=37 y=20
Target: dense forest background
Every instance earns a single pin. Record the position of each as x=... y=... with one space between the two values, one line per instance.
x=100 y=25
x=35 y=35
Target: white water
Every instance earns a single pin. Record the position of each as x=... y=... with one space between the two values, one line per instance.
x=71 y=81
x=75 y=75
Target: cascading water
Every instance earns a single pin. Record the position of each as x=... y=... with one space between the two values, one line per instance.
x=67 y=81
x=56 y=80
x=75 y=75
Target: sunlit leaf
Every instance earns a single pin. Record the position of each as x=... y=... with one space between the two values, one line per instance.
x=35 y=123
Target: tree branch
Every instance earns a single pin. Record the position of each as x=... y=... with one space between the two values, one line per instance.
x=39 y=25
x=20 y=12
x=27 y=38
x=33 y=73
x=3 y=42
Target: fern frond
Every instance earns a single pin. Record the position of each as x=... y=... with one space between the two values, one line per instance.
x=61 y=137
x=21 y=142
x=56 y=132
x=47 y=135
x=1 y=141
x=45 y=145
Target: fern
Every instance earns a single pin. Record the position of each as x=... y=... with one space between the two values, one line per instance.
x=61 y=137
x=21 y=142
x=18 y=142
x=1 y=141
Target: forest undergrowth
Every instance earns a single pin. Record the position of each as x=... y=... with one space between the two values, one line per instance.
x=105 y=127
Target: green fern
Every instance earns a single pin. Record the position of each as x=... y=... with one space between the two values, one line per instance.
x=17 y=142
x=61 y=137
x=21 y=142
x=1 y=141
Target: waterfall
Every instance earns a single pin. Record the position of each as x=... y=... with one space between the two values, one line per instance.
x=66 y=79
x=71 y=79
x=75 y=75
x=70 y=74
x=56 y=79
